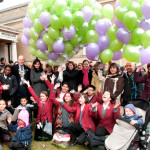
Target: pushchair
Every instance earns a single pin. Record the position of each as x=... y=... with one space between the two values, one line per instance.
x=128 y=137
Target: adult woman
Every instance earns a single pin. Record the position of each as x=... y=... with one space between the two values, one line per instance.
x=36 y=78
x=113 y=81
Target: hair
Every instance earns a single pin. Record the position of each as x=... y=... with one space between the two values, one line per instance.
x=148 y=73
x=2 y=59
x=65 y=83
x=34 y=62
x=80 y=64
x=70 y=62
x=23 y=98
x=11 y=62
x=92 y=86
x=47 y=65
x=85 y=61
x=8 y=66
x=72 y=99
x=113 y=65
x=85 y=97
x=45 y=93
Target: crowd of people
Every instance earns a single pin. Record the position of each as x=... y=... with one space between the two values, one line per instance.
x=73 y=98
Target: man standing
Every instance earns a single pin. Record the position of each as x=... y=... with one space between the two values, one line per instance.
x=21 y=72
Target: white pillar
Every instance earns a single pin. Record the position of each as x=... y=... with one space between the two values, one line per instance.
x=14 y=51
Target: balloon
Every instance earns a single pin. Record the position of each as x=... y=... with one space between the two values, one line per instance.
x=78 y=19
x=47 y=40
x=75 y=40
x=130 y=20
x=32 y=44
x=136 y=36
x=123 y=35
x=87 y=2
x=69 y=33
x=141 y=1
x=107 y=11
x=117 y=55
x=145 y=24
x=92 y=50
x=39 y=10
x=106 y=56
x=120 y=12
x=36 y=2
x=91 y=36
x=53 y=56
x=53 y=33
x=24 y=40
x=145 y=55
x=47 y=4
x=76 y=5
x=115 y=45
x=59 y=46
x=136 y=7
x=30 y=6
x=103 y=42
x=96 y=15
x=83 y=30
x=42 y=33
x=42 y=55
x=108 y=22
x=55 y=22
x=33 y=51
x=111 y=33
x=119 y=24
x=124 y=2
x=53 y=63
x=26 y=33
x=87 y=12
x=45 y=19
x=131 y=53
x=146 y=38
x=68 y=48
x=33 y=34
x=27 y=22
x=32 y=14
x=60 y=6
x=38 y=26
x=91 y=24
x=41 y=45
x=117 y=4
x=66 y=18
x=97 y=6
x=146 y=8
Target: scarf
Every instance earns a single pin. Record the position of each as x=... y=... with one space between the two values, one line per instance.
x=85 y=76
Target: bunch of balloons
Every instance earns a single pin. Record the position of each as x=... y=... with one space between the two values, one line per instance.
x=55 y=30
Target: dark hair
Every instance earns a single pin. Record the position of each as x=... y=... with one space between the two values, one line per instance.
x=65 y=83
x=8 y=66
x=45 y=93
x=85 y=97
x=92 y=86
x=34 y=62
x=70 y=62
x=113 y=65
x=72 y=99
x=23 y=98
x=2 y=59
x=47 y=65
x=148 y=73
x=11 y=61
x=85 y=61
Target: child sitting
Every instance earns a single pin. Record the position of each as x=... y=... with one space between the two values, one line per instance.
x=23 y=136
x=130 y=113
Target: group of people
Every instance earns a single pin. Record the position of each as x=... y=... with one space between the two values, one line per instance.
x=83 y=97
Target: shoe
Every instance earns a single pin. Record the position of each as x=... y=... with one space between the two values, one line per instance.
x=74 y=142
x=1 y=148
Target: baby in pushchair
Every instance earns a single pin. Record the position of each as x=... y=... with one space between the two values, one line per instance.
x=129 y=132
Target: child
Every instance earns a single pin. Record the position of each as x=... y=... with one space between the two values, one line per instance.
x=4 y=116
x=23 y=136
x=130 y=113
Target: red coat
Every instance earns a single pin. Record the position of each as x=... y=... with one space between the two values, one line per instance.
x=45 y=114
x=1 y=88
x=110 y=117
x=87 y=121
x=96 y=98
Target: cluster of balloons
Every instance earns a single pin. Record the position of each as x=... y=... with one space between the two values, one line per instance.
x=55 y=30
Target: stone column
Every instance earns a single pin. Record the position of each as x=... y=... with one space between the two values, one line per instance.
x=14 y=51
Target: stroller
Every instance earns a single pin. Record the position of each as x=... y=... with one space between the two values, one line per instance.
x=128 y=137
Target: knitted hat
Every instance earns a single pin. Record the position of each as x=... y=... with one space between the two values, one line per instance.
x=131 y=106
x=24 y=116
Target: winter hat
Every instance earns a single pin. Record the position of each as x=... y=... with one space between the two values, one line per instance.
x=24 y=116
x=131 y=106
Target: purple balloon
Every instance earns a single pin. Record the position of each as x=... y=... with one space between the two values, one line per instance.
x=145 y=24
x=146 y=9
x=103 y=42
x=53 y=56
x=59 y=46
x=27 y=22
x=69 y=33
x=108 y=22
x=42 y=33
x=119 y=24
x=26 y=32
x=41 y=45
x=87 y=12
x=117 y=4
x=117 y=55
x=101 y=27
x=123 y=35
x=145 y=55
x=45 y=18
x=24 y=40
x=92 y=50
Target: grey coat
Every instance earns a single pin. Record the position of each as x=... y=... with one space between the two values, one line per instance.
x=37 y=83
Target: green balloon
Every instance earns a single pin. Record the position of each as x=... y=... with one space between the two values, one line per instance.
x=33 y=51
x=87 y=3
x=125 y=2
x=107 y=11
x=83 y=30
x=97 y=6
x=136 y=7
x=32 y=43
x=38 y=26
x=33 y=34
x=96 y=15
x=32 y=14
x=111 y=32
x=92 y=36
x=50 y=48
x=66 y=18
x=106 y=56
x=53 y=63
x=120 y=12
x=47 y=4
x=60 y=6
x=131 y=53
x=141 y=1
x=39 y=10
x=136 y=36
x=130 y=20
x=76 y=5
x=75 y=40
x=30 y=6
x=37 y=2
x=146 y=39
x=115 y=45
x=42 y=55
x=55 y=22
x=53 y=33
x=92 y=24
x=78 y=19
x=47 y=40
x=68 y=48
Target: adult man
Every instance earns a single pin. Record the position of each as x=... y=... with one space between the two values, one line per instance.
x=21 y=72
